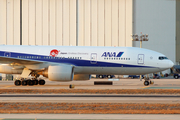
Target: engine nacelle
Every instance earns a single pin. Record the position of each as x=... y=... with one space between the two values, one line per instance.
x=9 y=70
x=82 y=77
x=59 y=73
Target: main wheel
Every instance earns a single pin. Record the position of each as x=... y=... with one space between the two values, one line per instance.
x=35 y=82
x=24 y=82
x=17 y=82
x=30 y=82
x=146 y=83
x=41 y=82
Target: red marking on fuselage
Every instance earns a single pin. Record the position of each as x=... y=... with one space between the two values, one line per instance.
x=54 y=52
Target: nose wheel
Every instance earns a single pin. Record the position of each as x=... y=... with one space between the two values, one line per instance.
x=148 y=82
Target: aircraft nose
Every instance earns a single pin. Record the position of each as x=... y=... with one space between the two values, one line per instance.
x=171 y=64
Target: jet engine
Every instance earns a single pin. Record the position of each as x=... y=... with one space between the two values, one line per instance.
x=59 y=73
x=82 y=77
x=9 y=70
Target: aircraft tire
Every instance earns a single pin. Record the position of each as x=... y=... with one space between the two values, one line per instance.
x=41 y=82
x=35 y=82
x=146 y=83
x=17 y=82
x=24 y=82
x=151 y=82
x=30 y=82
x=176 y=76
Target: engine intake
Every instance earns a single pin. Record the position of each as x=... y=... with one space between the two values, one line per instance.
x=59 y=73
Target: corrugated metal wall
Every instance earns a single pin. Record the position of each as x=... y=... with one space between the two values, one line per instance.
x=67 y=22
x=49 y=22
x=105 y=22
x=10 y=22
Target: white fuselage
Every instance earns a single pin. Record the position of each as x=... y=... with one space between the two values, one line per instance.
x=89 y=60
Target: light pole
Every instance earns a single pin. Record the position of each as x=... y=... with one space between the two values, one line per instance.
x=142 y=37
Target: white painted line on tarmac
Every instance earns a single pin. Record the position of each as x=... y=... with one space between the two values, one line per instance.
x=113 y=79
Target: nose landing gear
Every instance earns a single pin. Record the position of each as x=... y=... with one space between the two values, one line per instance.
x=148 y=82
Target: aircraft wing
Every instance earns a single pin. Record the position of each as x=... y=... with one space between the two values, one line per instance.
x=24 y=63
x=8 y=60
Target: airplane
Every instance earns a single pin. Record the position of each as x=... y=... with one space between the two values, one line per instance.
x=67 y=63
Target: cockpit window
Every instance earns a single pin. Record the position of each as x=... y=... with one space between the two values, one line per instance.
x=162 y=58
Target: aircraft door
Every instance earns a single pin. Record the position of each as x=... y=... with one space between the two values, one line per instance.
x=7 y=54
x=93 y=58
x=141 y=59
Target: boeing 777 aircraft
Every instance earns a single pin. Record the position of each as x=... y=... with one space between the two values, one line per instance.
x=67 y=63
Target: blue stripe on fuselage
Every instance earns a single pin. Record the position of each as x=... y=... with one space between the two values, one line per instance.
x=76 y=62
x=120 y=54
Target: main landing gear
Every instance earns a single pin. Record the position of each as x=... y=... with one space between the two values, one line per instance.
x=29 y=82
x=148 y=82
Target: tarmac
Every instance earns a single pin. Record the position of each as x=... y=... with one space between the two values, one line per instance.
x=163 y=83
x=88 y=117
x=89 y=98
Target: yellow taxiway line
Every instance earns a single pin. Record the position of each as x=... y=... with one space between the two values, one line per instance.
x=145 y=87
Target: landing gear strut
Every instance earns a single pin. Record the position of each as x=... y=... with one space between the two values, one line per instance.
x=29 y=82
